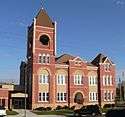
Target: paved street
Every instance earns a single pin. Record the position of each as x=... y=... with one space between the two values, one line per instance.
x=30 y=114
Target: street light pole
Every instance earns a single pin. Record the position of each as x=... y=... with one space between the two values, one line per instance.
x=25 y=87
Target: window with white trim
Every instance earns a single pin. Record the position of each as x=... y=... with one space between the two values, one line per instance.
x=61 y=97
x=93 y=96
x=43 y=78
x=111 y=80
x=40 y=58
x=44 y=96
x=44 y=59
x=92 y=80
x=108 y=95
x=48 y=58
x=61 y=79
x=107 y=80
x=78 y=79
x=90 y=96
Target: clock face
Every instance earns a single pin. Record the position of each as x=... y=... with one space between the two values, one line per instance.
x=44 y=39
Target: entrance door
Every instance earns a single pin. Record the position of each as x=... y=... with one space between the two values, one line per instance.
x=18 y=103
x=78 y=98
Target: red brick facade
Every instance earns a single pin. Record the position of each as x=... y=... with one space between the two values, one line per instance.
x=76 y=72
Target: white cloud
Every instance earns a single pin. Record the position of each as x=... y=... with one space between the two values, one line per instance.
x=119 y=2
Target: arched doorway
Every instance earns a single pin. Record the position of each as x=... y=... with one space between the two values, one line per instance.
x=79 y=98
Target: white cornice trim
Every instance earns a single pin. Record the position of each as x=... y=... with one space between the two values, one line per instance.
x=44 y=27
x=61 y=66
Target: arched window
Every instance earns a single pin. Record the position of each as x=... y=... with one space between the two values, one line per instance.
x=44 y=77
x=78 y=79
x=61 y=79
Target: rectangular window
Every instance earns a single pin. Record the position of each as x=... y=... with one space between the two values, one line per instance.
x=43 y=79
x=93 y=96
x=109 y=96
x=48 y=59
x=108 y=80
x=43 y=59
x=40 y=97
x=78 y=80
x=92 y=80
x=96 y=96
x=40 y=59
x=89 y=80
x=61 y=79
x=65 y=96
x=111 y=80
x=90 y=96
x=61 y=97
x=105 y=96
x=2 y=102
x=43 y=96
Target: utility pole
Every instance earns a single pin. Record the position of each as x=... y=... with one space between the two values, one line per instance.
x=120 y=89
x=123 y=84
x=25 y=88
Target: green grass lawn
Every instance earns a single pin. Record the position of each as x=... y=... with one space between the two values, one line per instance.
x=11 y=112
x=56 y=112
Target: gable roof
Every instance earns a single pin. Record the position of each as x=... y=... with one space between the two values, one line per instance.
x=63 y=59
x=42 y=19
x=100 y=58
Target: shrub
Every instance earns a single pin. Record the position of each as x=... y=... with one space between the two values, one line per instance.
x=72 y=108
x=48 y=108
x=66 y=107
x=94 y=109
x=59 y=108
x=40 y=109
x=83 y=107
x=108 y=105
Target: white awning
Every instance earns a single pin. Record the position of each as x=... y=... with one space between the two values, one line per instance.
x=19 y=95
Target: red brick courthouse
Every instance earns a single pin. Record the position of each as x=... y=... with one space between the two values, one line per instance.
x=63 y=80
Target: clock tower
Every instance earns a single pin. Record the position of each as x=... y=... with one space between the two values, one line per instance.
x=41 y=50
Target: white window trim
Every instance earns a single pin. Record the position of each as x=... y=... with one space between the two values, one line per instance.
x=93 y=96
x=108 y=93
x=41 y=79
x=111 y=81
x=63 y=95
x=78 y=78
x=42 y=97
x=39 y=60
x=59 y=79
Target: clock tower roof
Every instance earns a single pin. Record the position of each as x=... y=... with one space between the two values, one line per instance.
x=42 y=19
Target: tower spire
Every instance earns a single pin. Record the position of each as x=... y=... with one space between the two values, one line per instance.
x=42 y=4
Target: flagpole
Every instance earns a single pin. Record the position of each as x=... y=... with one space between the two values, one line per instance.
x=120 y=89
